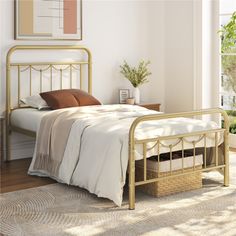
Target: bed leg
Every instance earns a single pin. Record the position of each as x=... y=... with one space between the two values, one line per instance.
x=226 y=154
x=226 y=177
x=131 y=184
x=7 y=143
x=226 y=170
x=131 y=168
x=131 y=198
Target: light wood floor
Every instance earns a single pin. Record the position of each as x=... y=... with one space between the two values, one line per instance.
x=14 y=176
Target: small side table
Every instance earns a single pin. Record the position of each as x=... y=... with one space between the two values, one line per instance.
x=151 y=106
x=2 y=119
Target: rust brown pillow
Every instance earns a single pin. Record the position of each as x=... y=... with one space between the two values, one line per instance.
x=68 y=98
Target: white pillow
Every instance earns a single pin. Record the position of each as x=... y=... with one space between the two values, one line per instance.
x=35 y=101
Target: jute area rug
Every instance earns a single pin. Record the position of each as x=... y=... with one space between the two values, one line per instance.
x=58 y=209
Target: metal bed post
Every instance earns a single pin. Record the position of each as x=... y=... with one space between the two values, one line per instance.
x=226 y=149
x=8 y=103
x=131 y=176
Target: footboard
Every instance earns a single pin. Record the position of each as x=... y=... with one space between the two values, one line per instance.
x=181 y=140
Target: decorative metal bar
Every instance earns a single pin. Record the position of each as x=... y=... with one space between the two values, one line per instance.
x=196 y=141
x=81 y=76
x=170 y=159
x=59 y=69
x=173 y=145
x=145 y=161
x=41 y=69
x=41 y=78
x=216 y=147
x=70 y=76
x=51 y=77
x=18 y=70
x=150 y=148
x=205 y=154
x=25 y=69
x=47 y=63
x=132 y=174
x=61 y=78
x=194 y=154
x=182 y=154
x=226 y=150
x=76 y=67
x=140 y=141
x=158 y=156
x=30 y=85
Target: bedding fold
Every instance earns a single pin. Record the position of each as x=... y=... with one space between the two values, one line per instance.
x=52 y=138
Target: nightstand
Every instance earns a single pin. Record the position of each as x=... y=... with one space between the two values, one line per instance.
x=1 y=139
x=151 y=106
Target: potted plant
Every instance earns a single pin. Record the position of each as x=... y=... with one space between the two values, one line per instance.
x=136 y=76
x=228 y=47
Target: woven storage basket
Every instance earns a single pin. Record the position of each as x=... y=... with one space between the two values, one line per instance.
x=169 y=186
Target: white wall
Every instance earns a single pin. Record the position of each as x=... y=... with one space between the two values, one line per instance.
x=114 y=31
x=191 y=55
x=178 y=55
x=208 y=62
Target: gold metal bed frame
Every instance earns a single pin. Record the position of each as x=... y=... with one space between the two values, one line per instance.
x=181 y=139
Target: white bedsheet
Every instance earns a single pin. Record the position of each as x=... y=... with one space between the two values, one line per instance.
x=96 y=155
x=27 y=118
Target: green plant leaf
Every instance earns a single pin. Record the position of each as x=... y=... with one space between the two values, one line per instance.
x=136 y=76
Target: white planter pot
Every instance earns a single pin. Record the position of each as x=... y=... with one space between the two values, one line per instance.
x=232 y=140
x=136 y=95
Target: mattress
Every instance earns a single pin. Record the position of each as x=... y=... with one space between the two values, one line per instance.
x=27 y=118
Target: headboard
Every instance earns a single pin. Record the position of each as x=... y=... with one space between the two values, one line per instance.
x=42 y=67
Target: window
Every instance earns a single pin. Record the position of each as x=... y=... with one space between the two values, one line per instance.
x=228 y=58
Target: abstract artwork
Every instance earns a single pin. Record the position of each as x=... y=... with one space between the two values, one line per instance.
x=48 y=19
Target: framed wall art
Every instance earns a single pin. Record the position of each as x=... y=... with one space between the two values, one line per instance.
x=123 y=95
x=48 y=19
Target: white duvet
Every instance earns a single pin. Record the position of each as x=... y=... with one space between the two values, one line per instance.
x=96 y=154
